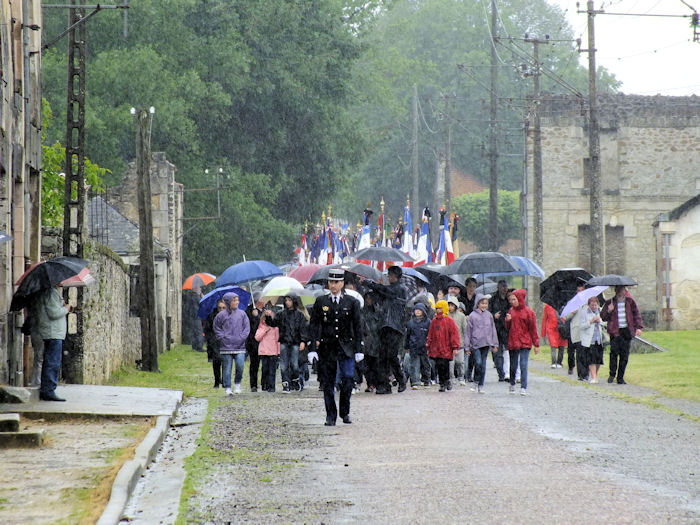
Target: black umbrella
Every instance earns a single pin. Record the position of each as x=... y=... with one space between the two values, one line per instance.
x=557 y=289
x=435 y=274
x=42 y=276
x=482 y=262
x=382 y=253
x=353 y=267
x=611 y=279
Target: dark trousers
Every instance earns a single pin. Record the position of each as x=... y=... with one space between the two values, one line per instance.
x=581 y=361
x=328 y=368
x=50 y=368
x=443 y=370
x=253 y=366
x=498 y=360
x=370 y=371
x=218 y=366
x=571 y=355
x=469 y=375
x=480 y=357
x=619 y=351
x=390 y=341
x=269 y=372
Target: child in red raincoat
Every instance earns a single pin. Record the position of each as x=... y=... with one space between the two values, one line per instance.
x=442 y=343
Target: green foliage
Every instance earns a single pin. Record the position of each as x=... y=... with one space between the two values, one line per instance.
x=473 y=211
x=53 y=182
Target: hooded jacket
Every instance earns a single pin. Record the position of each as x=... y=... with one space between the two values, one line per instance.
x=231 y=328
x=291 y=323
x=481 y=330
x=549 y=327
x=268 y=339
x=417 y=332
x=522 y=327
x=459 y=318
x=443 y=336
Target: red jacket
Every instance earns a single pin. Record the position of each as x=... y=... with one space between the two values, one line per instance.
x=549 y=327
x=443 y=337
x=522 y=327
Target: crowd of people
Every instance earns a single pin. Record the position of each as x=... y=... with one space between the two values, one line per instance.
x=394 y=340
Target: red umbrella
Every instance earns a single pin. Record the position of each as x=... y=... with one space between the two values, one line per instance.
x=197 y=280
x=84 y=278
x=303 y=273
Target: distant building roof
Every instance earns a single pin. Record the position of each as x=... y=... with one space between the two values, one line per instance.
x=109 y=227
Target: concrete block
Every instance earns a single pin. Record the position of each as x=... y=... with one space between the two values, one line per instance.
x=9 y=422
x=33 y=439
x=13 y=394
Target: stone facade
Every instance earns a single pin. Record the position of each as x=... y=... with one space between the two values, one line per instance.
x=650 y=150
x=677 y=236
x=20 y=165
x=167 y=213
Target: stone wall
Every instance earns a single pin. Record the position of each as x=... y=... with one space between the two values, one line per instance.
x=650 y=150
x=112 y=336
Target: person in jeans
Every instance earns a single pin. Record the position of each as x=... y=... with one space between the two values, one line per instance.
x=522 y=335
x=479 y=338
x=416 y=336
x=292 y=326
x=268 y=351
x=51 y=319
x=499 y=306
x=232 y=327
x=624 y=323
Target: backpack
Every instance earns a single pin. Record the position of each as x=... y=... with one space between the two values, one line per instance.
x=564 y=328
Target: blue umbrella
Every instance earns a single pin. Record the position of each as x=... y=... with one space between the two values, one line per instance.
x=208 y=302
x=247 y=271
x=417 y=275
x=523 y=265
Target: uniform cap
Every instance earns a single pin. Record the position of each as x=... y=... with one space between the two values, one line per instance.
x=336 y=274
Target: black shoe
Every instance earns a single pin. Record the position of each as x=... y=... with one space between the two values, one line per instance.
x=501 y=379
x=50 y=397
x=329 y=422
x=383 y=391
x=619 y=382
x=470 y=379
x=402 y=387
x=346 y=420
x=571 y=371
x=611 y=379
x=253 y=388
x=442 y=388
x=216 y=385
x=449 y=385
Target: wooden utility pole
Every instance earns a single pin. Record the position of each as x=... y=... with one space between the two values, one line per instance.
x=538 y=232
x=448 y=156
x=493 y=159
x=596 y=202
x=146 y=289
x=414 y=157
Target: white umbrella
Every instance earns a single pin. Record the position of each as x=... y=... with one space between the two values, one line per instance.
x=278 y=287
x=581 y=298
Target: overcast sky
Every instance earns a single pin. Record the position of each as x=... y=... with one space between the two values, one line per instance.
x=650 y=55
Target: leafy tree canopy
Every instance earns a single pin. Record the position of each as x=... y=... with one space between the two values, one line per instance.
x=473 y=211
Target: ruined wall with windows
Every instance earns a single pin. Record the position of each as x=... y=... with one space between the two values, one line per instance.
x=650 y=151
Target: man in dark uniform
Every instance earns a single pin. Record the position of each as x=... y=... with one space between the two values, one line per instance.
x=336 y=328
x=393 y=328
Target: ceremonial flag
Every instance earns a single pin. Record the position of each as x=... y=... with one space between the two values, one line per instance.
x=407 y=239
x=445 y=252
x=424 y=250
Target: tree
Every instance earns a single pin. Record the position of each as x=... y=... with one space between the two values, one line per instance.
x=473 y=211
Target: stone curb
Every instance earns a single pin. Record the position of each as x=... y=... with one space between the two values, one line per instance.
x=131 y=471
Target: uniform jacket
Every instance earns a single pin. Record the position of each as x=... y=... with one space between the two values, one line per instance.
x=443 y=337
x=393 y=303
x=338 y=328
x=51 y=315
x=417 y=332
x=268 y=339
x=634 y=319
x=231 y=329
x=522 y=327
x=549 y=327
x=291 y=323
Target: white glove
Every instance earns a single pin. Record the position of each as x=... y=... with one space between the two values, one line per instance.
x=359 y=357
x=312 y=356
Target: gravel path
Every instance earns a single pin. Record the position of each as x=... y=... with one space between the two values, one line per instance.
x=567 y=453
